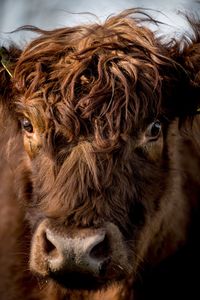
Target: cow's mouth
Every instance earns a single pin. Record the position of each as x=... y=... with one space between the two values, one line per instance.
x=77 y=281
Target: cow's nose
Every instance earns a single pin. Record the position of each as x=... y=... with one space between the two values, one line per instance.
x=77 y=254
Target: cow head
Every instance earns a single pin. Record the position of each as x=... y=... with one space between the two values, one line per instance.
x=94 y=105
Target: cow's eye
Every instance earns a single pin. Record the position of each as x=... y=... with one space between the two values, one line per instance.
x=26 y=125
x=153 y=131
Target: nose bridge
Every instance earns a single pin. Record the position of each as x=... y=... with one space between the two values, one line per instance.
x=77 y=182
x=88 y=162
x=82 y=167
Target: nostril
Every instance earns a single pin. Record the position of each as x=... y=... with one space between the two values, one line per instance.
x=54 y=251
x=49 y=247
x=103 y=266
x=101 y=250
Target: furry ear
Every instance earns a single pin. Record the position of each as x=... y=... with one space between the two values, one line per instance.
x=8 y=58
x=5 y=61
x=187 y=54
x=190 y=56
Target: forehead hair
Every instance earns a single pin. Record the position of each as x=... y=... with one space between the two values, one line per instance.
x=100 y=79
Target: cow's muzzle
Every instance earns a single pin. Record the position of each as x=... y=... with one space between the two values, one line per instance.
x=79 y=258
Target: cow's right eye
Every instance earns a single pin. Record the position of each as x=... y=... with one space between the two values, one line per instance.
x=154 y=130
x=26 y=125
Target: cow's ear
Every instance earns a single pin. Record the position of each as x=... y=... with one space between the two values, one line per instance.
x=8 y=59
x=186 y=53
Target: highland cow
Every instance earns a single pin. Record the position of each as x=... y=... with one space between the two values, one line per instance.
x=100 y=163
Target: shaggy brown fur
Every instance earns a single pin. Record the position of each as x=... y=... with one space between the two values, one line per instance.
x=96 y=136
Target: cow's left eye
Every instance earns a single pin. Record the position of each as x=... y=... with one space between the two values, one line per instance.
x=153 y=131
x=26 y=125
